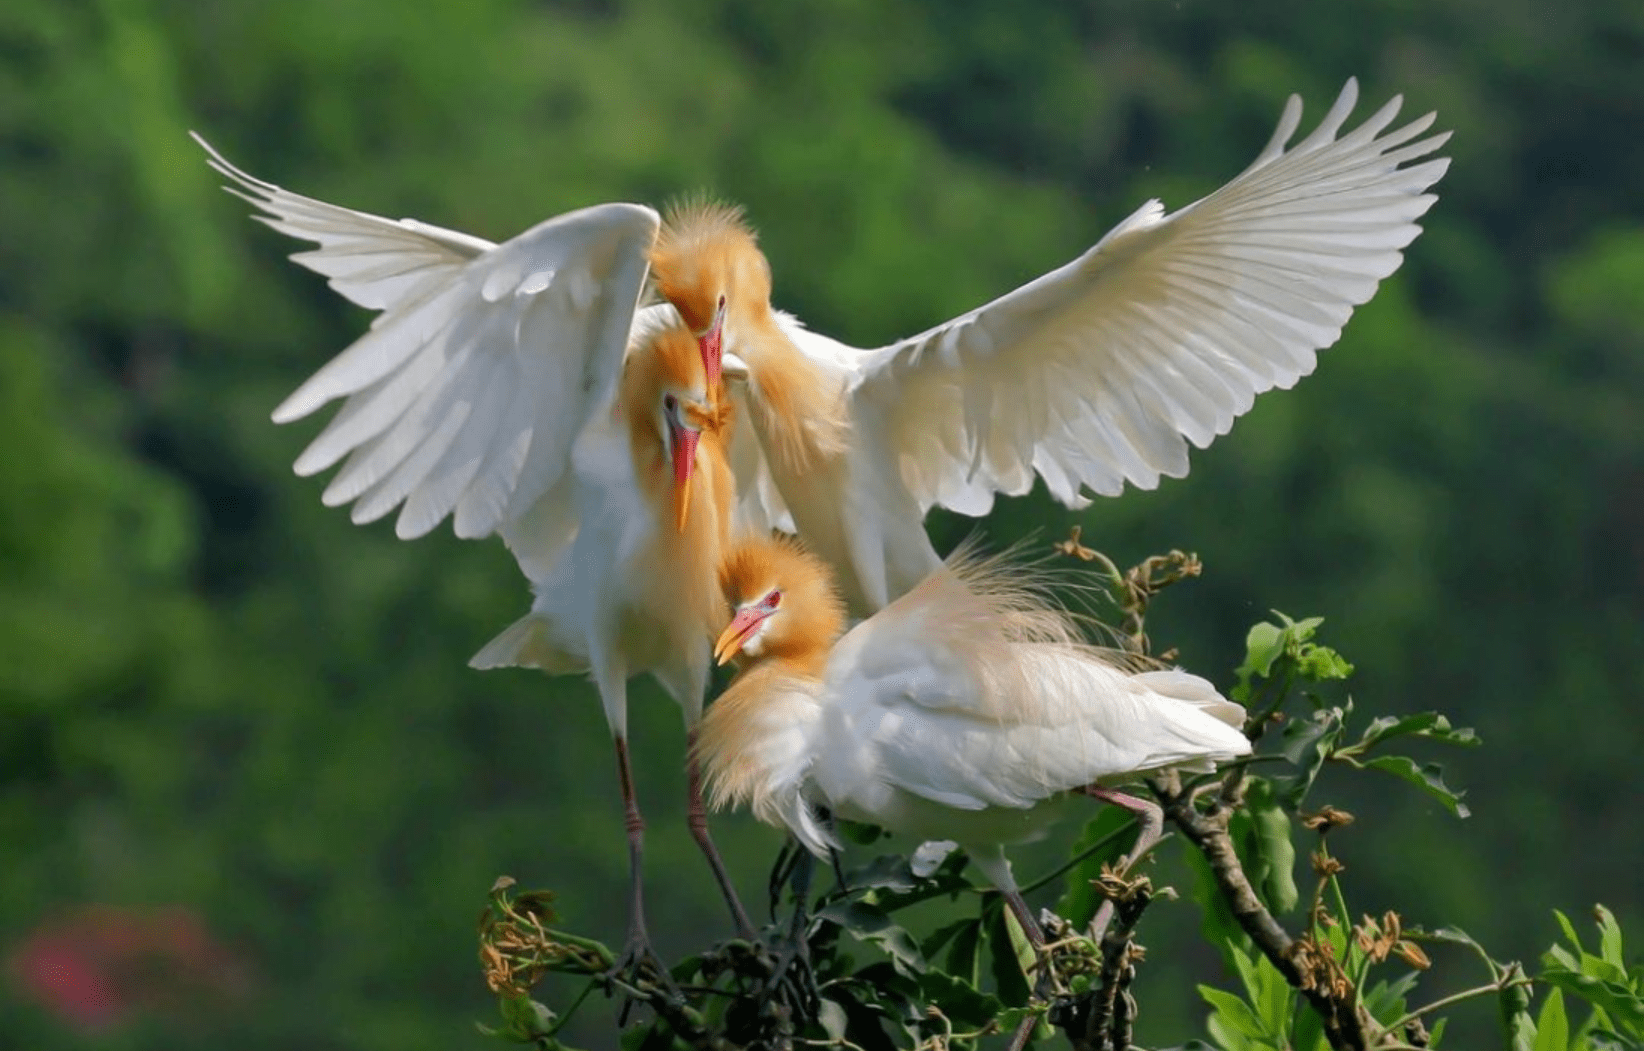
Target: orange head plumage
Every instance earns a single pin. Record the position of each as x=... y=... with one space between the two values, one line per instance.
x=784 y=601
x=707 y=263
x=666 y=399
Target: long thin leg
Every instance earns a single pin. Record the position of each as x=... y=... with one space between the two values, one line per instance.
x=1024 y=916
x=838 y=869
x=991 y=861
x=639 y=940
x=1151 y=820
x=696 y=817
x=995 y=866
x=803 y=870
x=1019 y=1038
x=796 y=954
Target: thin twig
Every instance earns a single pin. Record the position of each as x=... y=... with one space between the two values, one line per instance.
x=1076 y=860
x=1452 y=1000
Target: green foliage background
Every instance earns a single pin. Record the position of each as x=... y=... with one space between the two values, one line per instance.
x=216 y=692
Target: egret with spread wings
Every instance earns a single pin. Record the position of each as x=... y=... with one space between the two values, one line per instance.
x=1093 y=375
x=517 y=390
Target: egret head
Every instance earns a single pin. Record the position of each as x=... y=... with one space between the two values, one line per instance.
x=707 y=263
x=667 y=376
x=783 y=600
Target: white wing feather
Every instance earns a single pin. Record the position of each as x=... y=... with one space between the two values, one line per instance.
x=759 y=506
x=923 y=699
x=465 y=397
x=1094 y=374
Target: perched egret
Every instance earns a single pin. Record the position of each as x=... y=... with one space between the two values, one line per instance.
x=966 y=710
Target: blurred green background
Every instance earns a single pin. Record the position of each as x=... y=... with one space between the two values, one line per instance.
x=221 y=699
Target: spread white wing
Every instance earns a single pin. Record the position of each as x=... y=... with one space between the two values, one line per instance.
x=1094 y=374
x=465 y=397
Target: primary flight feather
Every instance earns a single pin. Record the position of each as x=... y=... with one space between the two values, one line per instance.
x=1096 y=374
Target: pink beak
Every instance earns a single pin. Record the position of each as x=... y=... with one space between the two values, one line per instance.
x=746 y=622
x=682 y=446
x=712 y=343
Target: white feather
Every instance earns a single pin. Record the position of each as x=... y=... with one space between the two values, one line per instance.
x=1103 y=371
x=955 y=714
x=487 y=360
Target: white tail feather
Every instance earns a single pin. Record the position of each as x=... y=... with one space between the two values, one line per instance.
x=526 y=643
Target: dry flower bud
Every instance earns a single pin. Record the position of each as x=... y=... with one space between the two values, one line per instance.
x=1327 y=818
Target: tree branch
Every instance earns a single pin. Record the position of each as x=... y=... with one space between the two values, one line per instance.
x=1346 y=1024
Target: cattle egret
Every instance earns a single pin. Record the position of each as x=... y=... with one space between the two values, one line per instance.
x=516 y=389
x=966 y=710
x=1093 y=375
x=635 y=589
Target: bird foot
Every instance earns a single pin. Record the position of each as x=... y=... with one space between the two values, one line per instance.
x=640 y=973
x=791 y=979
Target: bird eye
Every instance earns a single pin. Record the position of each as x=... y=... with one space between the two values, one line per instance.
x=670 y=402
x=773 y=600
x=721 y=301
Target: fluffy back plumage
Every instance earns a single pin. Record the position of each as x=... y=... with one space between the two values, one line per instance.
x=973 y=693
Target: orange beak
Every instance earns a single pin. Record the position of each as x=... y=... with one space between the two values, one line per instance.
x=746 y=622
x=712 y=345
x=682 y=447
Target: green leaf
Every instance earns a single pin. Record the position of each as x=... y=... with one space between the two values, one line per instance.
x=890 y=883
x=1220 y=928
x=1605 y=1040
x=867 y=1013
x=942 y=936
x=863 y=1026
x=1430 y=725
x=886 y=872
x=961 y=1001
x=1262 y=646
x=1429 y=778
x=1321 y=664
x=1456 y=936
x=1004 y=954
x=1552 y=1025
x=964 y=959
x=1272 y=996
x=1307 y=1034
x=869 y=923
x=1513 y=1004
x=894 y=992
x=1233 y=1022
x=526 y=1018
x=833 y=1018
x=1386 y=1001
x=1306 y=743
x=1270 y=836
x=1609 y=937
x=1620 y=1003
x=1249 y=974
x=1569 y=930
